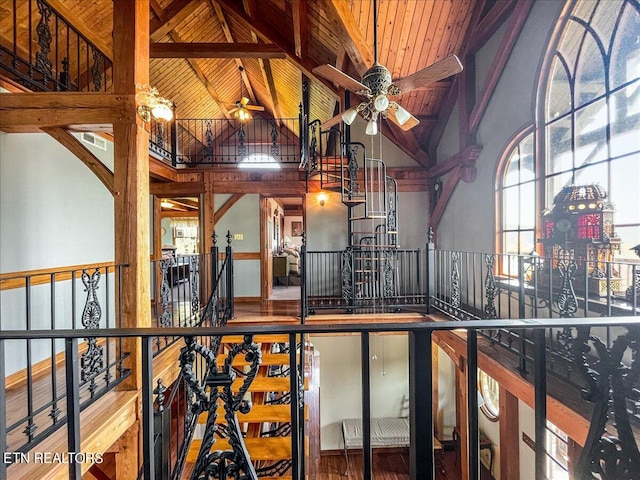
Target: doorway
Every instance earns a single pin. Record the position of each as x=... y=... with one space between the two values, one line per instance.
x=282 y=228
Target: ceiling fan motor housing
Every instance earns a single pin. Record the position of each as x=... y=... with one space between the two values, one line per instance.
x=377 y=79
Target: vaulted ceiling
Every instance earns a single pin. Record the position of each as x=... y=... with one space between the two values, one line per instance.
x=207 y=54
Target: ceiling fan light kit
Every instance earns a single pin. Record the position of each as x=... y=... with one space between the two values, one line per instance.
x=377 y=85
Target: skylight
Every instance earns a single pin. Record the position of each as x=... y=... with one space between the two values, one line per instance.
x=259 y=161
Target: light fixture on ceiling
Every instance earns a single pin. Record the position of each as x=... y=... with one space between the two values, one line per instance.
x=349 y=115
x=151 y=104
x=242 y=109
x=372 y=126
x=322 y=198
x=166 y=204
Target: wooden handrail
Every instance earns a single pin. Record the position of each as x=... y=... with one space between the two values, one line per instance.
x=43 y=276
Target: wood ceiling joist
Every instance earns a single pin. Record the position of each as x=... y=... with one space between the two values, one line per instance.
x=490 y=23
x=300 y=32
x=215 y=50
x=173 y=15
x=270 y=35
x=518 y=17
x=92 y=162
x=229 y=36
x=349 y=34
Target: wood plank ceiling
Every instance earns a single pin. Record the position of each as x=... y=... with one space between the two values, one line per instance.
x=412 y=34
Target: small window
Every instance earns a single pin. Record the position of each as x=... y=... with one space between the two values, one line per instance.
x=490 y=391
x=259 y=161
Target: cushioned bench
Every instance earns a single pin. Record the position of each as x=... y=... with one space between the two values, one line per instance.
x=385 y=432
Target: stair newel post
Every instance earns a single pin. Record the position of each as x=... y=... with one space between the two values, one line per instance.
x=162 y=425
x=229 y=261
x=303 y=279
x=430 y=270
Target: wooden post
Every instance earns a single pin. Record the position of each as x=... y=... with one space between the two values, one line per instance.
x=127 y=461
x=131 y=176
x=509 y=435
x=461 y=417
x=207 y=221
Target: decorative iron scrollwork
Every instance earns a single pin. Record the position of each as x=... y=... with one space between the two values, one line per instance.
x=567 y=300
x=208 y=139
x=166 y=319
x=388 y=271
x=490 y=288
x=455 y=280
x=352 y=170
x=242 y=148
x=346 y=266
x=313 y=148
x=194 y=273
x=92 y=359
x=609 y=383
x=275 y=149
x=218 y=386
x=44 y=39
x=96 y=72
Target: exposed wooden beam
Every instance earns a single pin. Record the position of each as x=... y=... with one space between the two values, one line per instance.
x=406 y=141
x=229 y=36
x=300 y=30
x=171 y=17
x=467 y=156
x=176 y=188
x=28 y=112
x=349 y=34
x=270 y=35
x=489 y=24
x=518 y=17
x=267 y=75
x=215 y=50
x=447 y=190
x=227 y=206
x=92 y=162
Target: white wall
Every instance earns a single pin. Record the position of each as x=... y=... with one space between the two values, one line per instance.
x=54 y=212
x=469 y=219
x=340 y=381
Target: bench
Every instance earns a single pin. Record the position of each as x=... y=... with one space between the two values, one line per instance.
x=385 y=432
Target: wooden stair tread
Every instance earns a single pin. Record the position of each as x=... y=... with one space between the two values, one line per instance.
x=260 y=414
x=267 y=359
x=260 y=448
x=275 y=338
x=267 y=384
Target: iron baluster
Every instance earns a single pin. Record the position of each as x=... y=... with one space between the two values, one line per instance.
x=96 y=72
x=455 y=281
x=92 y=359
x=567 y=303
x=346 y=264
x=275 y=149
x=194 y=278
x=609 y=384
x=490 y=288
x=44 y=41
x=166 y=319
x=352 y=170
x=242 y=148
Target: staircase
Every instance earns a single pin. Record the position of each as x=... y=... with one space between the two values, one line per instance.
x=368 y=265
x=266 y=426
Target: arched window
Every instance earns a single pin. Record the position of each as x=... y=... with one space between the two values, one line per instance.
x=587 y=128
x=517 y=189
x=591 y=110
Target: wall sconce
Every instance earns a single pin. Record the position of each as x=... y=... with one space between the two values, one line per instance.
x=322 y=198
x=151 y=104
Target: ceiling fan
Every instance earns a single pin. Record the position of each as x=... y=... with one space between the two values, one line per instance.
x=376 y=86
x=241 y=109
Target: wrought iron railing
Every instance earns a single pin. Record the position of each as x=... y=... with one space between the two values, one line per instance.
x=42 y=51
x=84 y=299
x=364 y=277
x=605 y=379
x=232 y=142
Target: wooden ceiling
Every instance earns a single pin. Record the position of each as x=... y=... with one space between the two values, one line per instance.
x=278 y=42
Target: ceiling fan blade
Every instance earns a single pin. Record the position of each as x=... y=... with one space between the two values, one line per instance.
x=439 y=70
x=402 y=117
x=257 y=108
x=332 y=73
x=232 y=110
x=331 y=122
x=244 y=101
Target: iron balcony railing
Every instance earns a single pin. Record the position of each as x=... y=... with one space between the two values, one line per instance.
x=232 y=142
x=604 y=379
x=44 y=52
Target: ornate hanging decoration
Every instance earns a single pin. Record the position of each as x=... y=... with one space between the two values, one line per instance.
x=609 y=385
x=92 y=359
x=218 y=387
